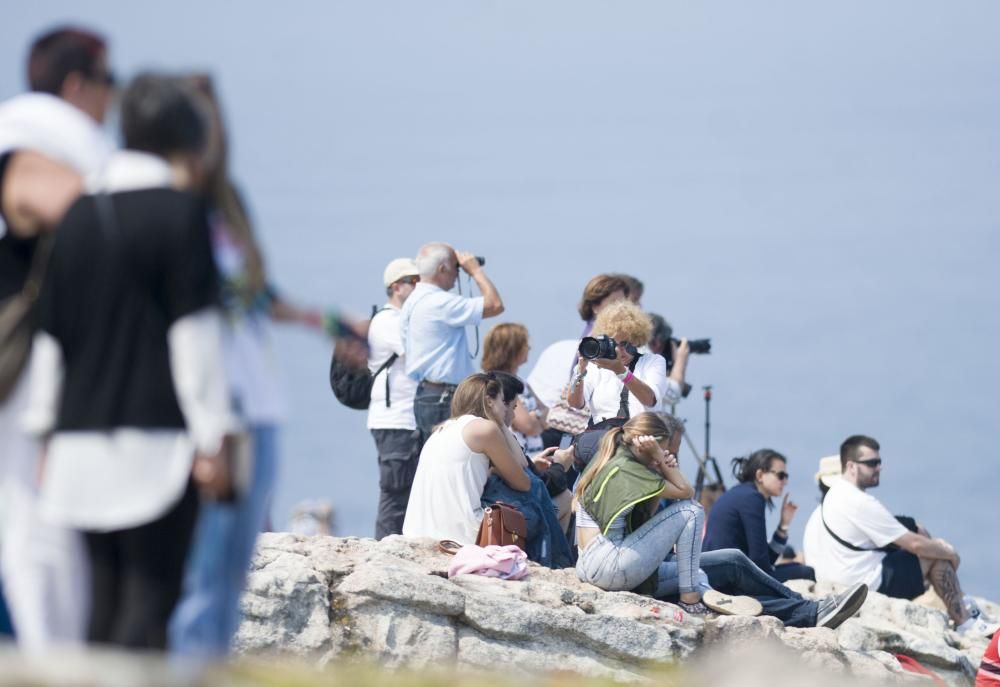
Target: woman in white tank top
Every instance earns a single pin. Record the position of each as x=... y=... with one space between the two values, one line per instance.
x=456 y=461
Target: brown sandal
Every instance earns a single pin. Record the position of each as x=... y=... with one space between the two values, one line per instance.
x=449 y=547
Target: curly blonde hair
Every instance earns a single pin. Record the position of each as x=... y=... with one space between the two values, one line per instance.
x=624 y=321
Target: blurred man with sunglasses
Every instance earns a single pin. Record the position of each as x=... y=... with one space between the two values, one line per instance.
x=859 y=540
x=52 y=147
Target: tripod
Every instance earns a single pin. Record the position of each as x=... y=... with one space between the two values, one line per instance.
x=706 y=461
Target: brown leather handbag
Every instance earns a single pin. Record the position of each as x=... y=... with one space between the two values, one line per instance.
x=502 y=524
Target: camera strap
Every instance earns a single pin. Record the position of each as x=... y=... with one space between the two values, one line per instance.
x=623 y=410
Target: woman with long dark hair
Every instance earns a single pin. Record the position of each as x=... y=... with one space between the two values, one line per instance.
x=737 y=520
x=128 y=375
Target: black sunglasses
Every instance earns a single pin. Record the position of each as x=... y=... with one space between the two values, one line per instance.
x=871 y=462
x=781 y=474
x=106 y=77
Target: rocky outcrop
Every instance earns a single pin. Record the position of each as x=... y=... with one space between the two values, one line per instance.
x=326 y=598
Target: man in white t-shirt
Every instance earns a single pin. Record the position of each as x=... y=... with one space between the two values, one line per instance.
x=390 y=413
x=853 y=538
x=51 y=146
x=432 y=325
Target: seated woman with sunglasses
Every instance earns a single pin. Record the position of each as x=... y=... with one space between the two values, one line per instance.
x=737 y=521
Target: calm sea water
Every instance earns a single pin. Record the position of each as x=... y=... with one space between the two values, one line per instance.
x=815 y=188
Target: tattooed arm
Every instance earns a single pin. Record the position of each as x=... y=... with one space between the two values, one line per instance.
x=929 y=549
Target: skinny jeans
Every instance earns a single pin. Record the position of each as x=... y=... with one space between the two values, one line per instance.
x=621 y=562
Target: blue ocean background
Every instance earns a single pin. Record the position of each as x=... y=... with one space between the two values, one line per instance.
x=816 y=187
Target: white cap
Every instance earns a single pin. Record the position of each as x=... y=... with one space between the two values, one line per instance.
x=829 y=470
x=397 y=269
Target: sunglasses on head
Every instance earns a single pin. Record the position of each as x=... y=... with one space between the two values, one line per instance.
x=871 y=462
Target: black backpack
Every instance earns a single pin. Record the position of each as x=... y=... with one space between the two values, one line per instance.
x=352 y=385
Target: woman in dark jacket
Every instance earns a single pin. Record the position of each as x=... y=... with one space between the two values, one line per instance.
x=737 y=519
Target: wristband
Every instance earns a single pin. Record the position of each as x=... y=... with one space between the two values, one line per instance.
x=626 y=377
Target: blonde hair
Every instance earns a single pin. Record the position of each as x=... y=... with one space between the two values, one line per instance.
x=624 y=321
x=473 y=394
x=659 y=425
x=503 y=345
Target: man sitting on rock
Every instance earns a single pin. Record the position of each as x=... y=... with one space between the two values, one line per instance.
x=852 y=538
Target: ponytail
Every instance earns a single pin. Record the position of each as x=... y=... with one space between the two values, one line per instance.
x=745 y=467
x=610 y=442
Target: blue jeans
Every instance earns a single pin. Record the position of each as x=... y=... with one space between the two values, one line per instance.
x=546 y=542
x=621 y=562
x=731 y=572
x=207 y=617
x=431 y=406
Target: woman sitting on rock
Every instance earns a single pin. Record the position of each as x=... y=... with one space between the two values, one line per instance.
x=456 y=461
x=623 y=541
x=737 y=518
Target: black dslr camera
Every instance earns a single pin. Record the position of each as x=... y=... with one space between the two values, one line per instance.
x=593 y=348
x=699 y=346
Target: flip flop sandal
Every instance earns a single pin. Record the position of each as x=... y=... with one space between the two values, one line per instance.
x=449 y=547
x=724 y=604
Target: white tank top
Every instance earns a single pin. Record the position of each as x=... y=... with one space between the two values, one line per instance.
x=448 y=486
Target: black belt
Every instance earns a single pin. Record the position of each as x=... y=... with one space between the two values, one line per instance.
x=439 y=385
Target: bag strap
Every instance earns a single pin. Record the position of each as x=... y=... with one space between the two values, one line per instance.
x=623 y=410
x=39 y=265
x=842 y=542
x=387 y=364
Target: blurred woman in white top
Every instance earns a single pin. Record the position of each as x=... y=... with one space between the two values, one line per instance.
x=598 y=383
x=456 y=461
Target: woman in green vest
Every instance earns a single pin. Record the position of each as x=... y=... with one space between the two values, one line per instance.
x=621 y=536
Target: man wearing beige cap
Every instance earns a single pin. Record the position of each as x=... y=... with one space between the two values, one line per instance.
x=390 y=413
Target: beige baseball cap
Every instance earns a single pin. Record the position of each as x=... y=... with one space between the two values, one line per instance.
x=829 y=470
x=397 y=269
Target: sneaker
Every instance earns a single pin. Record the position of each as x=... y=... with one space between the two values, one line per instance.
x=973 y=609
x=698 y=609
x=977 y=627
x=724 y=604
x=835 y=609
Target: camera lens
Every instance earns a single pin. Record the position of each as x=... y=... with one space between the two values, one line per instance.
x=590 y=348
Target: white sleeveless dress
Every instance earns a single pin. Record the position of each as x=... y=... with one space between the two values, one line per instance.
x=447 y=488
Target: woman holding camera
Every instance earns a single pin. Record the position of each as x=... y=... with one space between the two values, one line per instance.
x=627 y=383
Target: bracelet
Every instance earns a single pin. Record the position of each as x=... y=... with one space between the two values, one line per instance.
x=626 y=377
